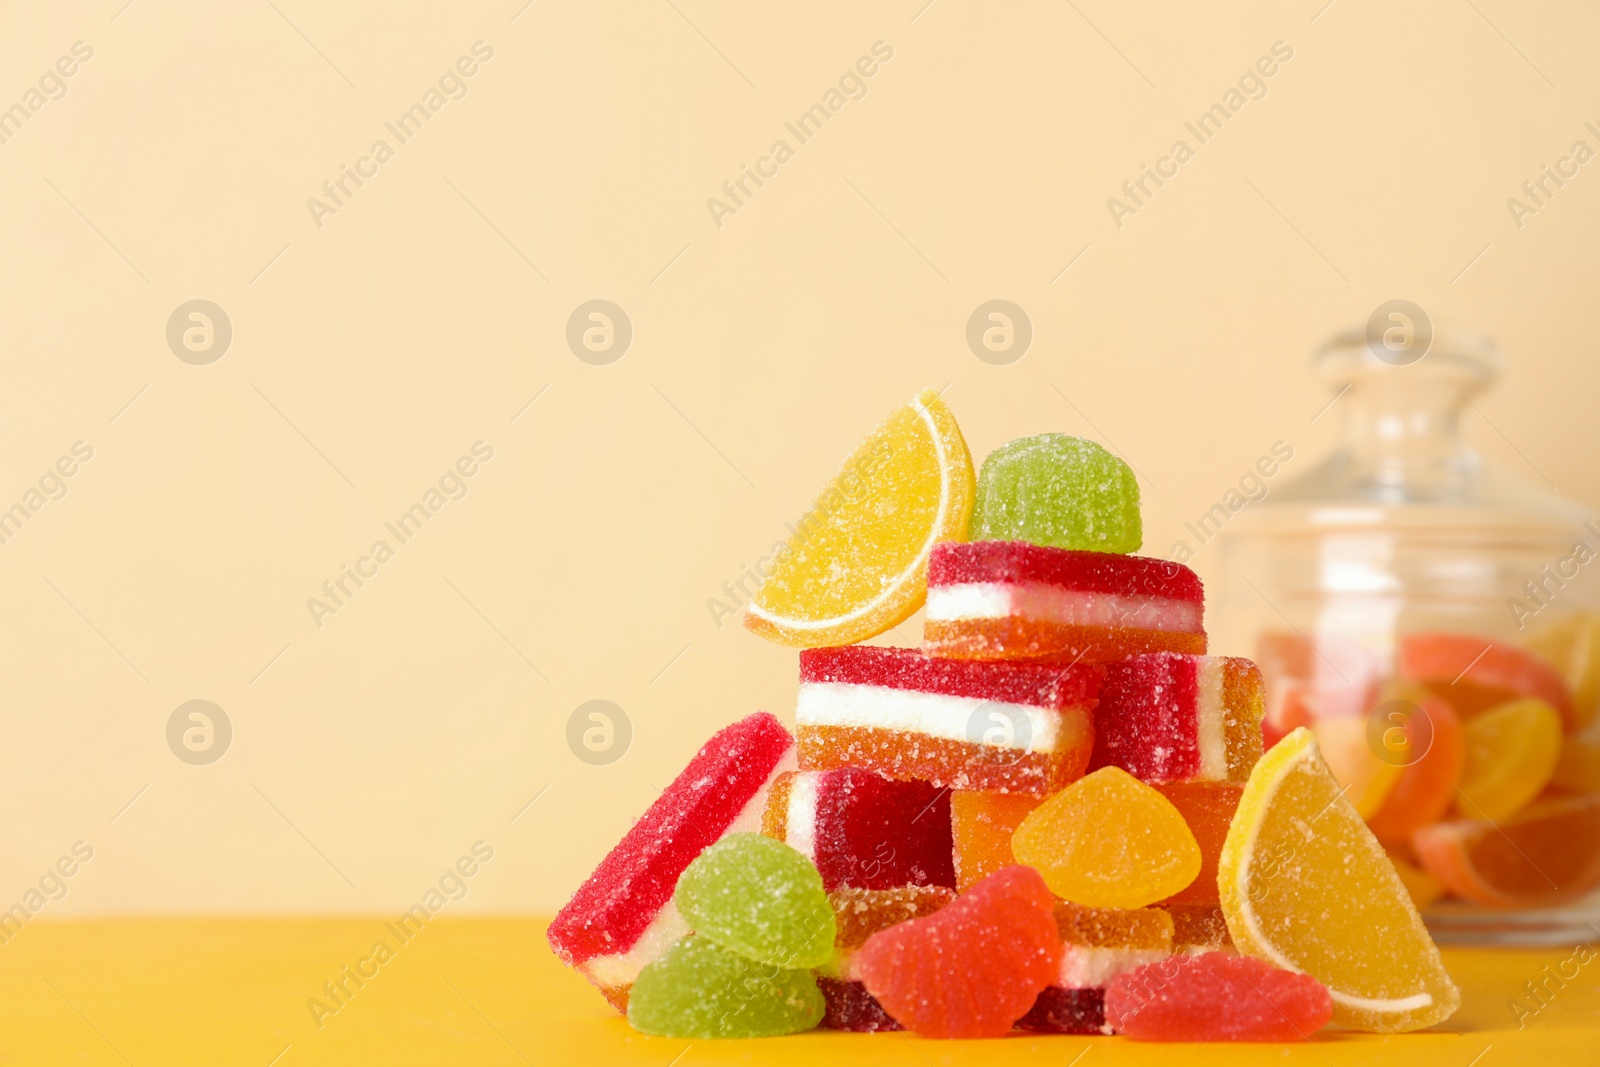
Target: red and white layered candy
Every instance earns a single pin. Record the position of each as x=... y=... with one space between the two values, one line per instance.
x=1014 y=600
x=622 y=917
x=959 y=724
x=1168 y=717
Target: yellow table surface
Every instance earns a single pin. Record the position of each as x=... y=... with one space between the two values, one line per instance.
x=488 y=991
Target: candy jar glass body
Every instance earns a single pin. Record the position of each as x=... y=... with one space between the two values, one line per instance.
x=1398 y=597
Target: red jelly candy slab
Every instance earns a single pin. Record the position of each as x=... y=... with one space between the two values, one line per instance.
x=865 y=831
x=1216 y=996
x=1067 y=1011
x=848 y=1006
x=973 y=968
x=619 y=901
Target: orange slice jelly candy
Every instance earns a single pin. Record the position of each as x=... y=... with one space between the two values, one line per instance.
x=1365 y=775
x=1109 y=841
x=974 y=967
x=1431 y=755
x=1546 y=854
x=1305 y=886
x=857 y=564
x=1511 y=754
x=982 y=824
x=1475 y=674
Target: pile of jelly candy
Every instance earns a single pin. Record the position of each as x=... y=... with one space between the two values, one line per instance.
x=1055 y=816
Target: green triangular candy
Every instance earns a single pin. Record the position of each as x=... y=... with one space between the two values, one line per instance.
x=700 y=990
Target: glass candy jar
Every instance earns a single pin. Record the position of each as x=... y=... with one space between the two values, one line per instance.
x=1433 y=620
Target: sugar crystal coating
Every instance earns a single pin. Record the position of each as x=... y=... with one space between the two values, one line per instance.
x=700 y=990
x=1057 y=490
x=1109 y=841
x=974 y=967
x=1168 y=717
x=622 y=916
x=864 y=830
x=1304 y=884
x=1216 y=996
x=982 y=824
x=1207 y=808
x=1018 y=601
x=761 y=899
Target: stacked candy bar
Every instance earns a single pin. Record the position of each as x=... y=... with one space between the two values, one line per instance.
x=1045 y=818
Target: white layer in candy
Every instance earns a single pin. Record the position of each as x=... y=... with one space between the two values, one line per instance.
x=1023 y=727
x=1043 y=602
x=621 y=968
x=1211 y=732
x=800 y=821
x=1094 y=966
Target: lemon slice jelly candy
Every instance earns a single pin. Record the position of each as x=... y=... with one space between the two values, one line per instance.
x=857 y=562
x=1307 y=887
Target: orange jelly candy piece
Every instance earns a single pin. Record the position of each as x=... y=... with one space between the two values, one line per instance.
x=983 y=824
x=1546 y=854
x=1475 y=674
x=1109 y=841
x=1208 y=808
x=1431 y=753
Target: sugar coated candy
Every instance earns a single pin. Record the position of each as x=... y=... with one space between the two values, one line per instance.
x=1305 y=886
x=856 y=563
x=1013 y=600
x=1168 y=716
x=1546 y=854
x=1216 y=996
x=1572 y=647
x=1197 y=927
x=760 y=898
x=862 y=913
x=622 y=917
x=700 y=990
x=851 y=1008
x=1109 y=841
x=974 y=967
x=862 y=829
x=1059 y=491
x=1097 y=944
x=982 y=824
x=1207 y=808
x=1432 y=752
x=958 y=724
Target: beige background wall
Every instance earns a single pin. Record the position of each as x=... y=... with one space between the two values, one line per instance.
x=371 y=352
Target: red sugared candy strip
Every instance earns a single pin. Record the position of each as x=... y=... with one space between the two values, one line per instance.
x=1169 y=717
x=973 y=968
x=622 y=917
x=862 y=830
x=1216 y=996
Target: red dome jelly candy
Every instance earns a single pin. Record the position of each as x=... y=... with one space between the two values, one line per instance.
x=1216 y=996
x=972 y=968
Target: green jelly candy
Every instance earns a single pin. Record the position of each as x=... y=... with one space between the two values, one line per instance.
x=758 y=897
x=1059 y=491
x=701 y=990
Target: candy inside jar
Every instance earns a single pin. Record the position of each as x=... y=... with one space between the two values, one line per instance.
x=1435 y=621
